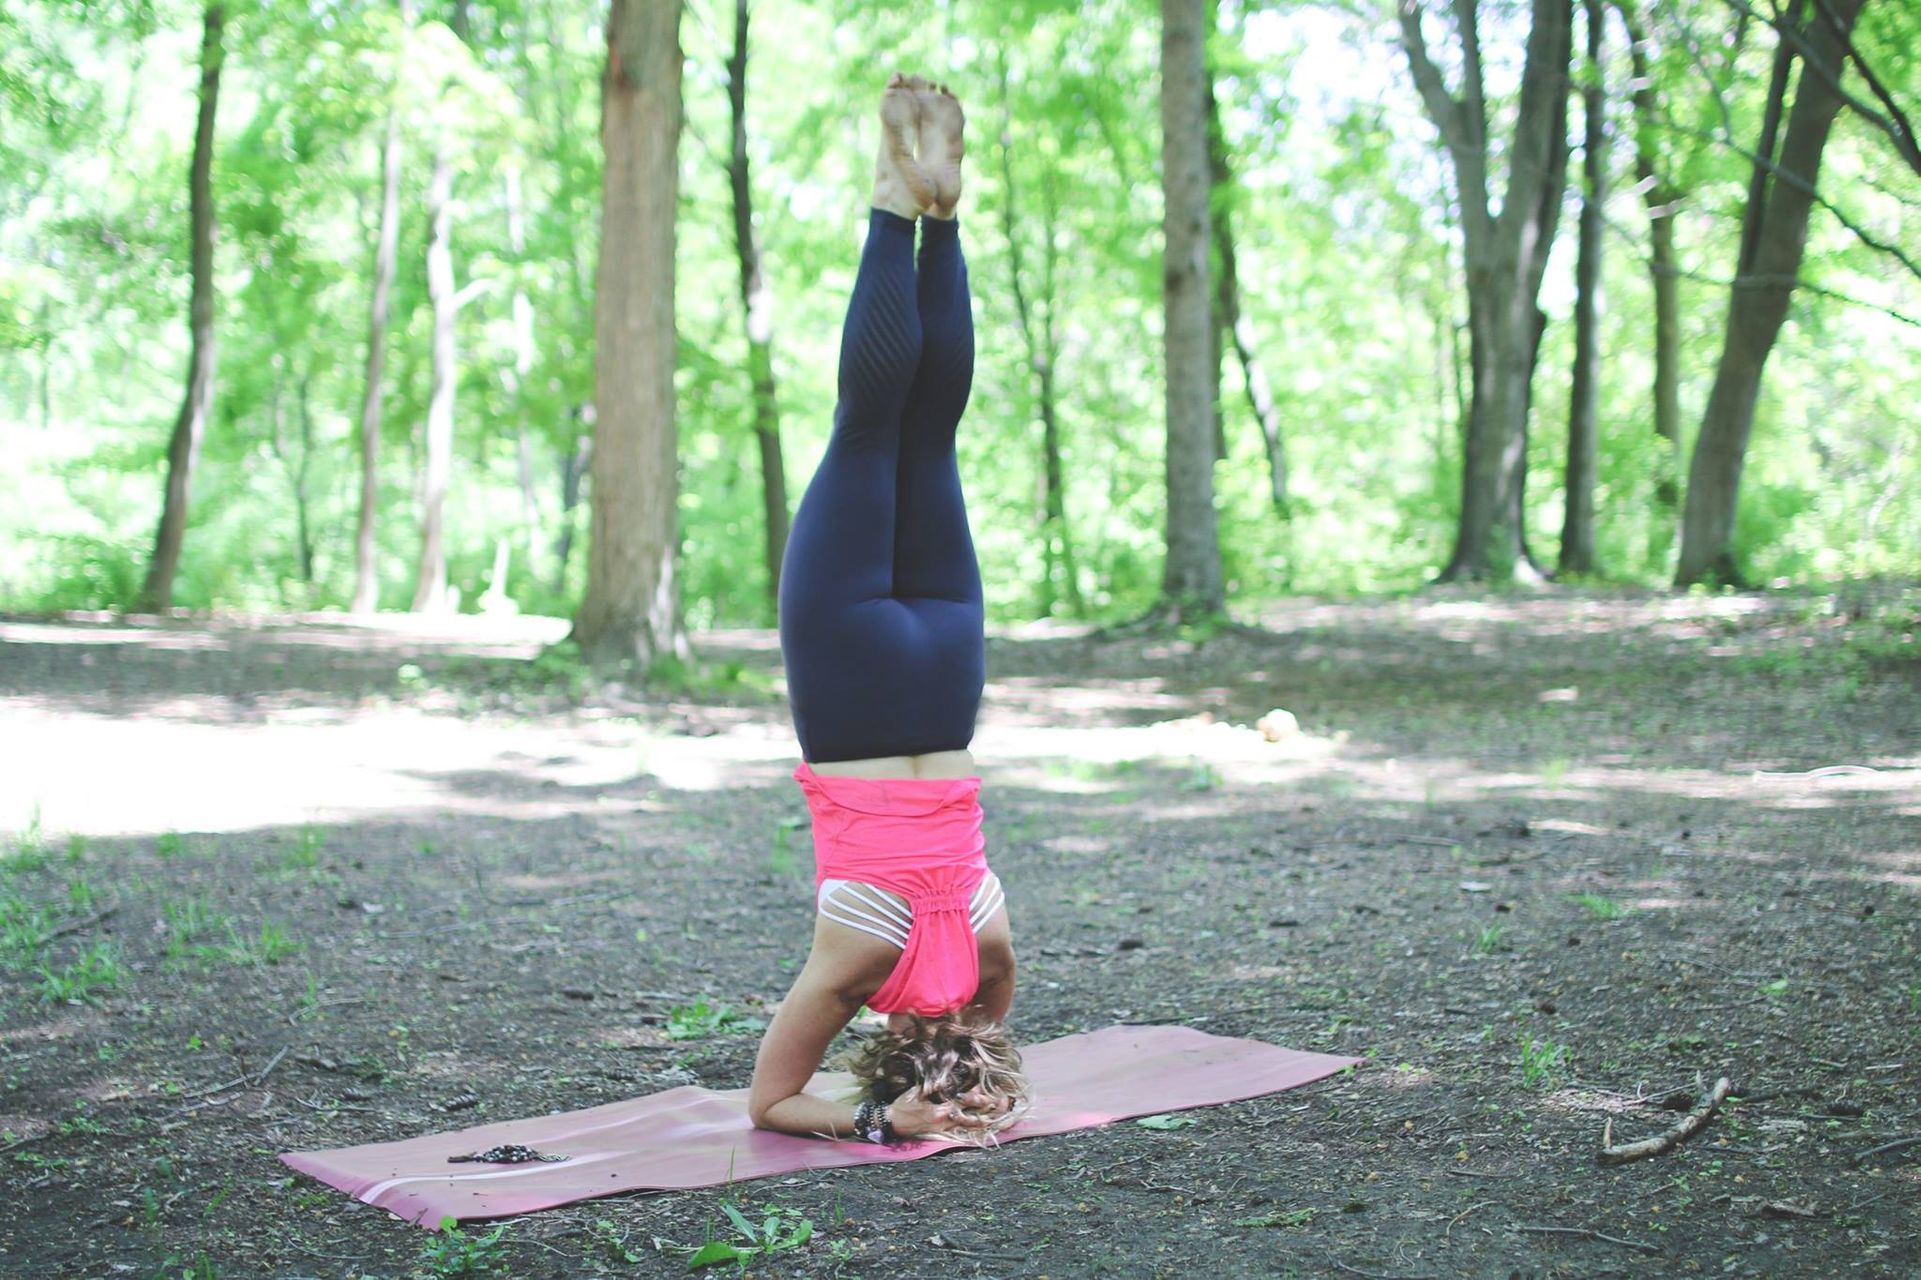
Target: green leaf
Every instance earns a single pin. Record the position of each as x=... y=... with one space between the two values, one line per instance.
x=1166 y=1122
x=740 y=1222
x=718 y=1251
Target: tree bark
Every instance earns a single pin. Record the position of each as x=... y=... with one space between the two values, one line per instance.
x=1191 y=584
x=430 y=585
x=1505 y=258
x=1583 y=427
x=1664 y=272
x=1231 y=322
x=1059 y=577
x=757 y=304
x=631 y=612
x=366 y=565
x=1757 y=307
x=183 y=449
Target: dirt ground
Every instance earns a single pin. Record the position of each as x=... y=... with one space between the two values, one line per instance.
x=280 y=884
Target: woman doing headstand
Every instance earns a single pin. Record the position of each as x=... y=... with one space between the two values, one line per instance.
x=881 y=632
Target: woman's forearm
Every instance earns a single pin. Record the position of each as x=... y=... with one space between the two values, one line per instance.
x=808 y=1115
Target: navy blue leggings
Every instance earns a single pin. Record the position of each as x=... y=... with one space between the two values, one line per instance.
x=880 y=594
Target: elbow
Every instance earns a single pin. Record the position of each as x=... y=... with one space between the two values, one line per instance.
x=760 y=1110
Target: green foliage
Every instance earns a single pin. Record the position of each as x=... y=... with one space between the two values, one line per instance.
x=1542 y=1061
x=699 y=1020
x=1166 y=1122
x=776 y=1230
x=1347 y=257
x=96 y=969
x=1602 y=908
x=453 y=1253
x=306 y=850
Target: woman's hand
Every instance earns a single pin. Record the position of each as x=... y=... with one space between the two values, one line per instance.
x=966 y=1119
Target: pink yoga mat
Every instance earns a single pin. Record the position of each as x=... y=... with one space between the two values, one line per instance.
x=695 y=1137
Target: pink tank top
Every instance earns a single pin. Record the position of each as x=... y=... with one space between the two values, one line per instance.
x=920 y=838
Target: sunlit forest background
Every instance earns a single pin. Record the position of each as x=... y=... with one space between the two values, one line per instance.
x=1346 y=234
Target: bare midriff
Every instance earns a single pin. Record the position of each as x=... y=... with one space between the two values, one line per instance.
x=934 y=764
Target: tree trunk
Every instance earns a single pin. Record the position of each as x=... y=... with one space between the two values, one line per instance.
x=303 y=506
x=1059 y=531
x=1236 y=326
x=1505 y=258
x=631 y=613
x=757 y=302
x=1583 y=427
x=1191 y=584
x=366 y=565
x=1758 y=305
x=1664 y=272
x=1058 y=575
x=183 y=450
x=430 y=586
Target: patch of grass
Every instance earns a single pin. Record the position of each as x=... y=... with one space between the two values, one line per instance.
x=453 y=1252
x=169 y=845
x=270 y=946
x=29 y=851
x=1279 y=1218
x=305 y=854
x=1542 y=1061
x=731 y=678
x=187 y=922
x=23 y=931
x=80 y=1122
x=1489 y=941
x=1603 y=908
x=97 y=968
x=699 y=1020
x=1554 y=772
x=80 y=893
x=775 y=1230
x=76 y=847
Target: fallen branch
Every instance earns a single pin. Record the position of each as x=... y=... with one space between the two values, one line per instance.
x=1591 y=1235
x=1690 y=1125
x=1899 y=1144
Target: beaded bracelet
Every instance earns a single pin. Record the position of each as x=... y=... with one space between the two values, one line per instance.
x=871 y=1122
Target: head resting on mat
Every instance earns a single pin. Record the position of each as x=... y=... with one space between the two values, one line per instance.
x=947 y=1060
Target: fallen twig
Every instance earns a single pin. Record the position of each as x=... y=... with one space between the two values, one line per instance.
x=1376 y=1275
x=1660 y=1143
x=1899 y=1144
x=1591 y=1235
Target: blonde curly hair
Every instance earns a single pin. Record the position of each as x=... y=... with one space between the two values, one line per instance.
x=948 y=1060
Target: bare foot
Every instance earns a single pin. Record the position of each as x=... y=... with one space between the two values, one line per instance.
x=900 y=184
x=942 y=125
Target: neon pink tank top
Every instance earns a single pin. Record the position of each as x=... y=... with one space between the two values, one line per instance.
x=920 y=838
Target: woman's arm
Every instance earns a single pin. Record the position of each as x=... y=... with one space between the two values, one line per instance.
x=844 y=967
